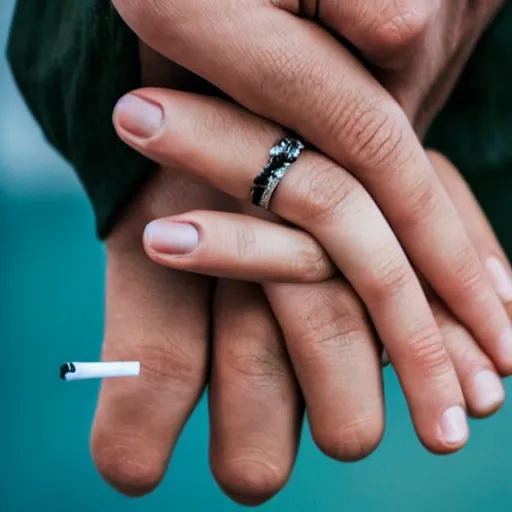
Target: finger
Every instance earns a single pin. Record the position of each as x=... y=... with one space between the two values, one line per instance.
x=482 y=388
x=481 y=385
x=236 y=246
x=387 y=33
x=337 y=361
x=289 y=70
x=478 y=227
x=255 y=404
x=347 y=223
x=159 y=317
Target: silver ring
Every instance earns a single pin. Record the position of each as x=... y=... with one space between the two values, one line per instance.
x=281 y=157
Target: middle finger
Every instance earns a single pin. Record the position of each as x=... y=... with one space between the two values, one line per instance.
x=255 y=404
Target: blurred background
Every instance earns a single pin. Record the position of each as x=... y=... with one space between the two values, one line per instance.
x=51 y=299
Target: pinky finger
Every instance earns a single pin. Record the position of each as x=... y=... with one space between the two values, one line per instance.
x=236 y=246
x=483 y=391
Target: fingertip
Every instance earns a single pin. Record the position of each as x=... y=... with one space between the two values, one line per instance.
x=165 y=237
x=351 y=444
x=132 y=467
x=451 y=434
x=487 y=394
x=447 y=434
x=250 y=481
x=137 y=117
x=454 y=426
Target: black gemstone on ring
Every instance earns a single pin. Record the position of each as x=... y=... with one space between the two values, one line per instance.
x=281 y=157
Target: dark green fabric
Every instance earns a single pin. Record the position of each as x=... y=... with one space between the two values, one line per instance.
x=475 y=127
x=494 y=193
x=72 y=59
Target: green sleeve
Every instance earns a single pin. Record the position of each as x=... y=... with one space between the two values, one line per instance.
x=72 y=60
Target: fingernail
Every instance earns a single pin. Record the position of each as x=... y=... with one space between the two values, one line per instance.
x=489 y=390
x=454 y=425
x=137 y=116
x=172 y=238
x=501 y=278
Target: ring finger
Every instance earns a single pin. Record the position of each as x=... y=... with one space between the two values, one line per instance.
x=255 y=405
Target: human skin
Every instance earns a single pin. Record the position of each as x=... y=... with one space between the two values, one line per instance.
x=254 y=402
x=292 y=71
x=240 y=480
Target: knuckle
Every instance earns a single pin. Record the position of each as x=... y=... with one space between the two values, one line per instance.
x=330 y=325
x=252 y=358
x=400 y=26
x=351 y=441
x=466 y=357
x=280 y=75
x=161 y=364
x=126 y=470
x=388 y=280
x=458 y=341
x=312 y=265
x=423 y=199
x=429 y=353
x=250 y=480
x=376 y=136
x=469 y=273
x=326 y=190
x=345 y=331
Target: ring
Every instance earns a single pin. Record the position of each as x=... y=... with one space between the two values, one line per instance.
x=281 y=157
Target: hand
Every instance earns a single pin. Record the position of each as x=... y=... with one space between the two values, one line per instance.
x=354 y=234
x=244 y=247
x=290 y=70
x=161 y=318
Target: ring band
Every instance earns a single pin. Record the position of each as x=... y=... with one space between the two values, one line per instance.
x=281 y=157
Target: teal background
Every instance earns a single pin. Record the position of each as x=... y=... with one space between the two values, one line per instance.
x=51 y=304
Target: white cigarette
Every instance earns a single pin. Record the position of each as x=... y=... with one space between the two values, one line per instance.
x=82 y=371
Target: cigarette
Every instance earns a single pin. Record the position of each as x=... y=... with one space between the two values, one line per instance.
x=82 y=371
